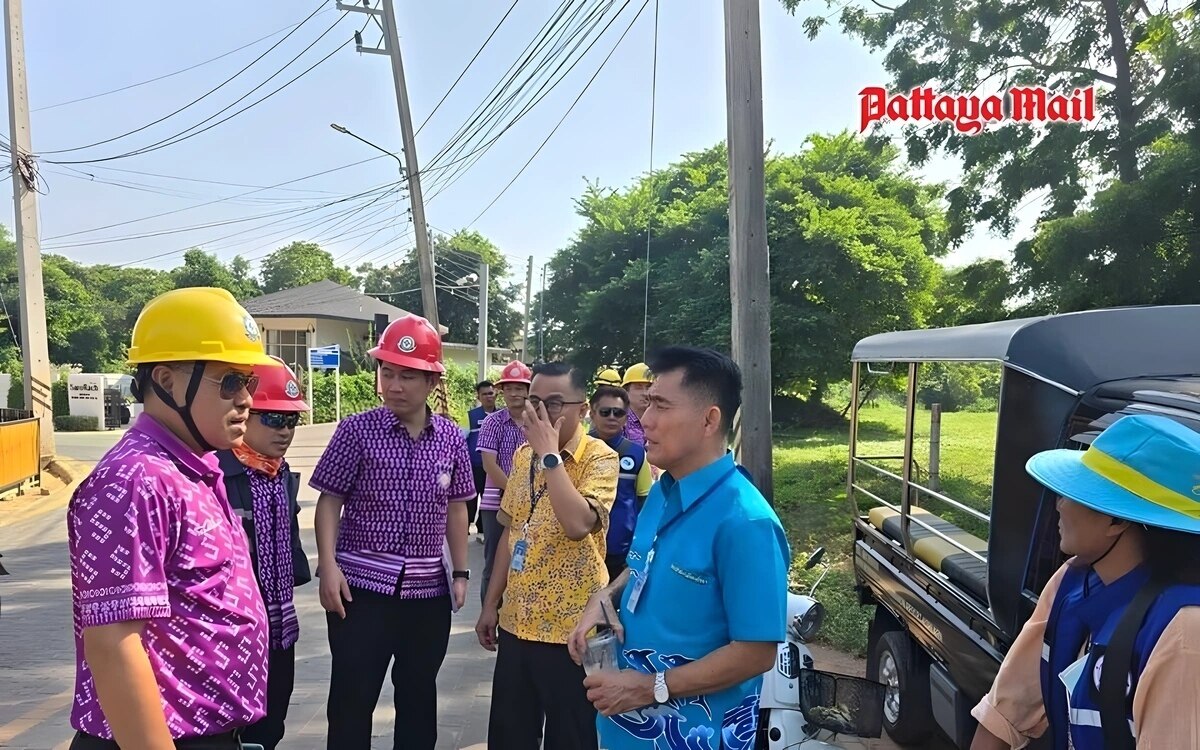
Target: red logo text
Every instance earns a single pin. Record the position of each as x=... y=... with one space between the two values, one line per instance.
x=970 y=113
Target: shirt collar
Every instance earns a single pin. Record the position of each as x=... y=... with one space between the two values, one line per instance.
x=694 y=485
x=185 y=457
x=398 y=425
x=577 y=445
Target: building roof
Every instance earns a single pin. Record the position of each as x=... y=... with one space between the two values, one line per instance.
x=1075 y=350
x=323 y=299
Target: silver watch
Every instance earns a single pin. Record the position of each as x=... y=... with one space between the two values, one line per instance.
x=661 y=693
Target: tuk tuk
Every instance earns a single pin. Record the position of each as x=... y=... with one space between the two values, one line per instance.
x=954 y=587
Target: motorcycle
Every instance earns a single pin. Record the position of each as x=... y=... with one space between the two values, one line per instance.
x=802 y=708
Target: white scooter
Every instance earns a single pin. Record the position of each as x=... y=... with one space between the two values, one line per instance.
x=801 y=708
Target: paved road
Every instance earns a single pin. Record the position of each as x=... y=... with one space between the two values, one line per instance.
x=36 y=647
x=85 y=446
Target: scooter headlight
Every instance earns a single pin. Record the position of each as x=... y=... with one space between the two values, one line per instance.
x=807 y=624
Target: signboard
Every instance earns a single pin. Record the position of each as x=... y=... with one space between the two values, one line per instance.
x=85 y=395
x=325 y=358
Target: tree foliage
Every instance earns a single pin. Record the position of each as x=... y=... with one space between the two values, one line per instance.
x=852 y=239
x=1121 y=223
x=301 y=263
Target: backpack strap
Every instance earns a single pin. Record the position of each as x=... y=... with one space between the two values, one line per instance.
x=1118 y=660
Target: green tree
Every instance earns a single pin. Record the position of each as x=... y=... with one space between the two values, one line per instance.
x=457 y=258
x=301 y=263
x=1136 y=239
x=976 y=293
x=852 y=240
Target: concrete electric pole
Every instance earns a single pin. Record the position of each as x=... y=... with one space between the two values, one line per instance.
x=528 y=296
x=749 y=272
x=386 y=16
x=483 y=320
x=34 y=347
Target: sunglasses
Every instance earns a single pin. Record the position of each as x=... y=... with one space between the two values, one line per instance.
x=232 y=384
x=277 y=420
x=612 y=411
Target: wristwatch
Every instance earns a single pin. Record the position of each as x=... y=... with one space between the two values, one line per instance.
x=462 y=574
x=661 y=693
x=551 y=460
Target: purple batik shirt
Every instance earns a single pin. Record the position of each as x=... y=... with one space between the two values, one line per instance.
x=396 y=492
x=633 y=429
x=499 y=435
x=152 y=537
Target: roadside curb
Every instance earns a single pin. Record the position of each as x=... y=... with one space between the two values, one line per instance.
x=68 y=471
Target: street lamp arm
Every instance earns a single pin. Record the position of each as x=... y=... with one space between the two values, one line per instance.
x=347 y=131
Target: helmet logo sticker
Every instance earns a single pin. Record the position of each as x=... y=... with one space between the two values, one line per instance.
x=291 y=389
x=251 y=328
x=626 y=463
x=407 y=344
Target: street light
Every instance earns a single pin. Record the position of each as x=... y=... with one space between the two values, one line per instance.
x=347 y=131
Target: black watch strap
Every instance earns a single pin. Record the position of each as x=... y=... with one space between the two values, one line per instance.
x=462 y=574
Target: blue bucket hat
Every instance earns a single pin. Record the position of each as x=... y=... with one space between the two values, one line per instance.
x=1144 y=469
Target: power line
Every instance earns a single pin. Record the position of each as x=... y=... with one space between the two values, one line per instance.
x=199 y=99
x=173 y=73
x=565 y=114
x=468 y=67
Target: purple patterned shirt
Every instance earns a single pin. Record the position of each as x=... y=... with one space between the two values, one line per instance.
x=633 y=429
x=395 y=492
x=273 y=540
x=152 y=537
x=499 y=435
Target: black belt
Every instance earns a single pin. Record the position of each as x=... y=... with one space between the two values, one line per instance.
x=223 y=741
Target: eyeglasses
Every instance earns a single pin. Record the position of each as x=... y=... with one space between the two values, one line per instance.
x=553 y=405
x=232 y=384
x=612 y=411
x=278 y=420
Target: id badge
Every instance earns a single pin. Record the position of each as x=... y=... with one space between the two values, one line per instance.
x=639 y=583
x=518 y=555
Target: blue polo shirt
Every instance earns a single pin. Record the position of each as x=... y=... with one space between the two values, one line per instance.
x=719 y=575
x=475 y=418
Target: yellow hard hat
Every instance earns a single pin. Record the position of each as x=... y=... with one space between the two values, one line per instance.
x=196 y=324
x=607 y=376
x=639 y=373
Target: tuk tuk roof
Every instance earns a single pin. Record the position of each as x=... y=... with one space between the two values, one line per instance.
x=1073 y=350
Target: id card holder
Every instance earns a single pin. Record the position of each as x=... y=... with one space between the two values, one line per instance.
x=518 y=555
x=639 y=583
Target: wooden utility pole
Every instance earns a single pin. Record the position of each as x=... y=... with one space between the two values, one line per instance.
x=528 y=297
x=34 y=348
x=391 y=40
x=749 y=273
x=483 y=320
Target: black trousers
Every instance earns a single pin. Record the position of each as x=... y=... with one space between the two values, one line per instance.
x=411 y=635
x=281 y=678
x=616 y=566
x=491 y=540
x=535 y=684
x=226 y=741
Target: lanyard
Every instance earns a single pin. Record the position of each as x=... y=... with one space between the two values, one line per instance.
x=534 y=497
x=680 y=515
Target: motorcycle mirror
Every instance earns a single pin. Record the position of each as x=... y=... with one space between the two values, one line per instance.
x=814 y=558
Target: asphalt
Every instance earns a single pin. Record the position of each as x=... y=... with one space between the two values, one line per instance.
x=37 y=650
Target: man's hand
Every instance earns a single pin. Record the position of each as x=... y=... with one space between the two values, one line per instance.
x=599 y=611
x=486 y=628
x=540 y=432
x=334 y=589
x=615 y=692
x=460 y=592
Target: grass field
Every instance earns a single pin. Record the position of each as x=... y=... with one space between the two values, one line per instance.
x=810 y=496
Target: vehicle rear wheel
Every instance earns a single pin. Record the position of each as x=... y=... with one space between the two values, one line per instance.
x=904 y=671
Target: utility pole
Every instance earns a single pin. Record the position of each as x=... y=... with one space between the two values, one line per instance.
x=34 y=347
x=528 y=296
x=542 y=318
x=483 y=320
x=749 y=271
x=386 y=16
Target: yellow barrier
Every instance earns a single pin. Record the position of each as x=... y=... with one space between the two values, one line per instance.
x=20 y=449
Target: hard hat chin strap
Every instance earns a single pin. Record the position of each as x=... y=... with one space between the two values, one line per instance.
x=185 y=411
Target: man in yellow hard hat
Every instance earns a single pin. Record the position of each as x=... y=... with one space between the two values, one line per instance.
x=607 y=376
x=637 y=384
x=171 y=634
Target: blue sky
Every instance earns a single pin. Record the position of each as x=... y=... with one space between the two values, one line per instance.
x=78 y=49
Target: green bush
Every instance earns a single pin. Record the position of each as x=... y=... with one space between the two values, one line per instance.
x=358 y=393
x=59 y=400
x=16 y=393
x=958 y=386
x=76 y=424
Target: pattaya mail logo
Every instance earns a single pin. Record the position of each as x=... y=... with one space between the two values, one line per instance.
x=970 y=113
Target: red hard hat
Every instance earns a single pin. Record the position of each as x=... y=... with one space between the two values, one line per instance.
x=410 y=342
x=515 y=372
x=278 y=389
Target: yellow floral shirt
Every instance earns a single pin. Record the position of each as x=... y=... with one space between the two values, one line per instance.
x=544 y=601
